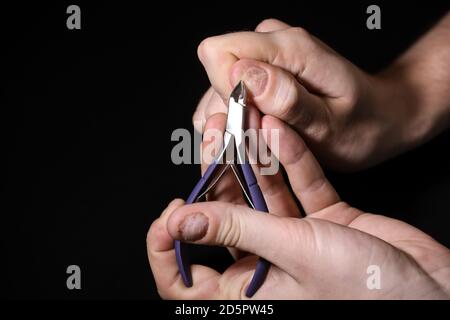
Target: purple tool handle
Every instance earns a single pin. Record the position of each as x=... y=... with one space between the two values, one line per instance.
x=262 y=267
x=255 y=191
x=257 y=198
x=180 y=247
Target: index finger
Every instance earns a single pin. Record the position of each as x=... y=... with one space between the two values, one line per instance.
x=219 y=53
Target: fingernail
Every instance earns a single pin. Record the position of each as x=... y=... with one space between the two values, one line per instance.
x=194 y=226
x=197 y=122
x=255 y=79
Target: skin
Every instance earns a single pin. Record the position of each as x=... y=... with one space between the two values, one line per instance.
x=349 y=118
x=324 y=255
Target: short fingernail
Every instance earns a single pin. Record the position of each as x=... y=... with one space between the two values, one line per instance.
x=198 y=123
x=255 y=79
x=194 y=226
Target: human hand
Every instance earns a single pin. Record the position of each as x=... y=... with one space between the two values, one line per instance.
x=325 y=255
x=350 y=119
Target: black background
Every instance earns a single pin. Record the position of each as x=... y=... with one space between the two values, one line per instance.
x=87 y=116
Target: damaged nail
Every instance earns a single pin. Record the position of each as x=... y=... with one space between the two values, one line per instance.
x=194 y=226
x=255 y=79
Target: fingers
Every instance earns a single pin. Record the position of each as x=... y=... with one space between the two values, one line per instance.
x=305 y=174
x=312 y=251
x=282 y=96
x=276 y=92
x=160 y=248
x=276 y=193
x=211 y=103
x=292 y=49
x=227 y=189
x=290 y=74
x=212 y=140
x=161 y=254
x=218 y=223
x=158 y=240
x=218 y=54
x=270 y=179
x=197 y=120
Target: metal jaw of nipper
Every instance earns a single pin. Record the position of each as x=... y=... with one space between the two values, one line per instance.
x=234 y=144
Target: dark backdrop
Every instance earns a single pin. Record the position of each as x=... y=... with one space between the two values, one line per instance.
x=86 y=120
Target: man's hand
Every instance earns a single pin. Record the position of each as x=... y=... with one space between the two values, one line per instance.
x=349 y=118
x=325 y=255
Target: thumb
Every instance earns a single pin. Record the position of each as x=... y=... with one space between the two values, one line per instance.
x=276 y=92
x=218 y=223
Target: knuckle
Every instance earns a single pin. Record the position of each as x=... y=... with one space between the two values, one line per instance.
x=293 y=230
x=207 y=48
x=231 y=230
x=304 y=232
x=299 y=33
x=266 y=24
x=297 y=40
x=319 y=133
x=286 y=98
x=315 y=185
x=351 y=98
x=297 y=154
